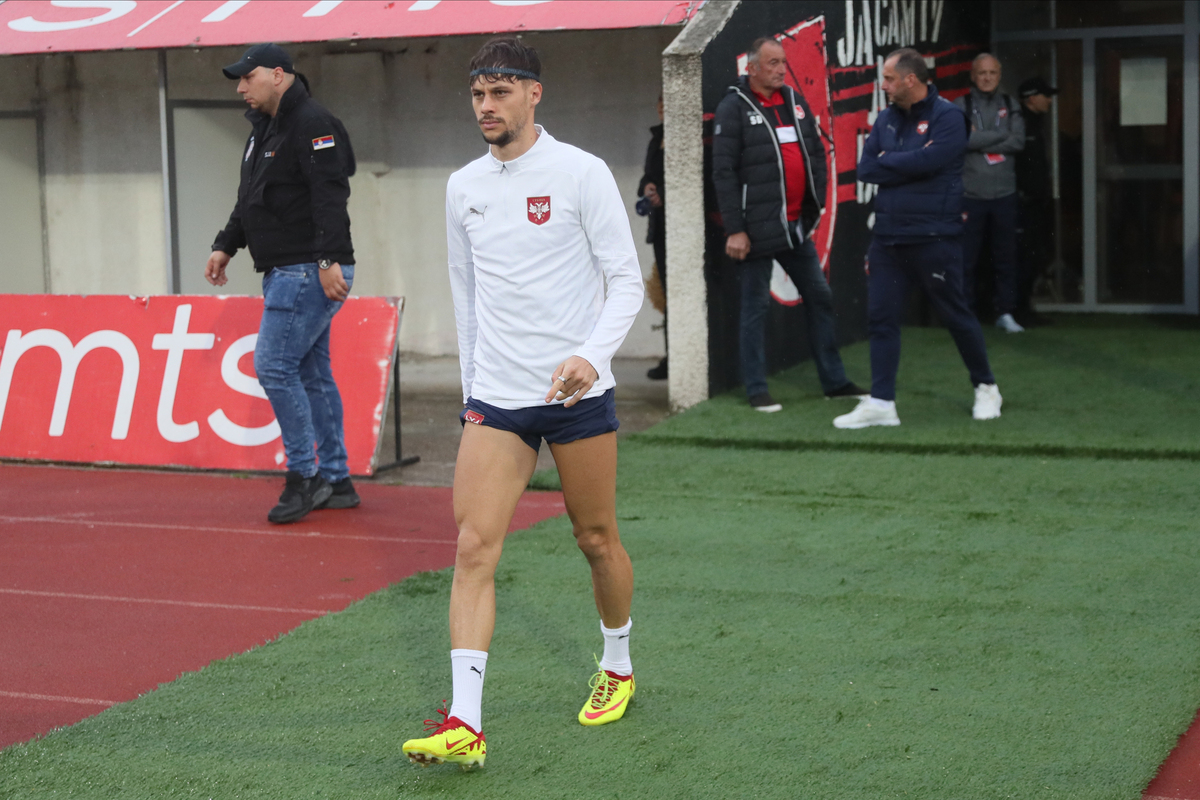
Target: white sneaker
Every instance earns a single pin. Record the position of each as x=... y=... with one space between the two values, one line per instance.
x=987 y=401
x=1006 y=323
x=868 y=412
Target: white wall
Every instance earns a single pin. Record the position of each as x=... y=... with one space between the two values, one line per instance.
x=407 y=108
x=104 y=200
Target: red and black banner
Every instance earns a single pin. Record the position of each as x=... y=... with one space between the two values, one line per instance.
x=835 y=54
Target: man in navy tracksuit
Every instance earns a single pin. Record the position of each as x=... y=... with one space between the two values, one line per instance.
x=915 y=155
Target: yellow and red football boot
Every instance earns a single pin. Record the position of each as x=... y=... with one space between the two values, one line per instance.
x=610 y=697
x=452 y=742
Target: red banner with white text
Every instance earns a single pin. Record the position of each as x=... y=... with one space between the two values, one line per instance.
x=49 y=26
x=169 y=380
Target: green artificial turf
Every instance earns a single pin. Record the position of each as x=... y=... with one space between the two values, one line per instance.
x=808 y=624
x=1081 y=387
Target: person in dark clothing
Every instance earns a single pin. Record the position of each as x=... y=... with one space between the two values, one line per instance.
x=1035 y=192
x=770 y=177
x=915 y=155
x=291 y=214
x=990 y=186
x=652 y=190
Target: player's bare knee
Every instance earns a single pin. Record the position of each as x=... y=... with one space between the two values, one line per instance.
x=475 y=551
x=596 y=541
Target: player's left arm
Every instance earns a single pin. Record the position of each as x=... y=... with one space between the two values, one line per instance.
x=606 y=226
x=327 y=161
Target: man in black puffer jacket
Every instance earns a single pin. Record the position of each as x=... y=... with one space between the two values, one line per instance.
x=770 y=177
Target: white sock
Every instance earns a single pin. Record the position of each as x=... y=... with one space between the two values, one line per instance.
x=616 y=649
x=467 y=668
x=881 y=404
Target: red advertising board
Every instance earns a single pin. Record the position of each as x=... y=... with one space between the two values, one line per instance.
x=46 y=26
x=169 y=380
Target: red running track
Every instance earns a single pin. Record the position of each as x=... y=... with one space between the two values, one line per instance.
x=1179 y=776
x=113 y=582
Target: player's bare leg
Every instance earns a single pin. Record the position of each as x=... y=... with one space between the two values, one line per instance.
x=588 y=469
x=492 y=471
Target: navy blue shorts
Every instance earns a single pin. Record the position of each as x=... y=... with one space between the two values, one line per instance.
x=555 y=423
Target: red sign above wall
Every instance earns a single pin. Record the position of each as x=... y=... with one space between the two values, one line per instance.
x=41 y=26
x=169 y=381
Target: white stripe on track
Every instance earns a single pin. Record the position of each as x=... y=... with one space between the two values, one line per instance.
x=154 y=601
x=200 y=528
x=56 y=699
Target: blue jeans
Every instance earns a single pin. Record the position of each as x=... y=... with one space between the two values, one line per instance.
x=804 y=268
x=292 y=362
x=937 y=268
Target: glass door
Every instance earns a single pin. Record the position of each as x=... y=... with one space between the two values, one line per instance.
x=1139 y=171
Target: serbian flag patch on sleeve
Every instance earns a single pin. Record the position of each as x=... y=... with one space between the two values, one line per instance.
x=322 y=142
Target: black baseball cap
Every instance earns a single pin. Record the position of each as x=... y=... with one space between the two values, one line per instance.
x=260 y=55
x=1036 y=85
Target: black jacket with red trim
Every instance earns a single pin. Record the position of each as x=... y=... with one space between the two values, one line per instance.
x=748 y=169
x=296 y=168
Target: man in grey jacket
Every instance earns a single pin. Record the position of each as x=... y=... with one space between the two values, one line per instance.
x=990 y=185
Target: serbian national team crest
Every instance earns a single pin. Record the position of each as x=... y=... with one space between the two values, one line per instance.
x=539 y=209
x=1003 y=112
x=922 y=126
x=799 y=110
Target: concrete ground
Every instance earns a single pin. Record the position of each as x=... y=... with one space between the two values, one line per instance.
x=431 y=397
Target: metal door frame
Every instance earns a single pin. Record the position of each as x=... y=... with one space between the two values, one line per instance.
x=172 y=180
x=1190 y=32
x=39 y=125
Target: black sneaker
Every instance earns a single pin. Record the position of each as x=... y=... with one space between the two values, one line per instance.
x=851 y=389
x=300 y=496
x=658 y=373
x=343 y=496
x=765 y=403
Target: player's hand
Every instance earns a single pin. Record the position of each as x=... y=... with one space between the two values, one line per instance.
x=214 y=270
x=571 y=380
x=737 y=246
x=334 y=283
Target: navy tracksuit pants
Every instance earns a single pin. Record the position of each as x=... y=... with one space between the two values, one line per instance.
x=937 y=268
x=999 y=217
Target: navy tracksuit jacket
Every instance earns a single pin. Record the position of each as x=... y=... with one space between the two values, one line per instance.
x=916 y=159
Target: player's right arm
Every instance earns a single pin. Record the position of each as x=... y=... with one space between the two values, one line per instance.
x=462 y=286
x=231 y=238
x=726 y=162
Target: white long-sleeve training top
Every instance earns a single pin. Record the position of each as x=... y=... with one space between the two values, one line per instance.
x=533 y=243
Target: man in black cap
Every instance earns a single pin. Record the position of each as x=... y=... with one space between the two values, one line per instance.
x=1035 y=190
x=291 y=213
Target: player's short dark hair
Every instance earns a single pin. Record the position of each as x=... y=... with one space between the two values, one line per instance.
x=910 y=62
x=506 y=58
x=756 y=47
